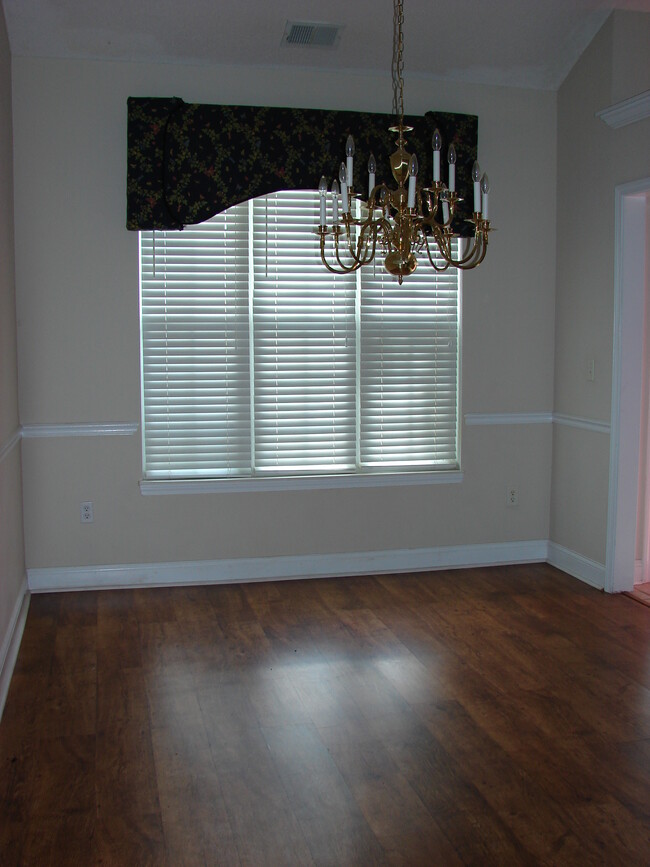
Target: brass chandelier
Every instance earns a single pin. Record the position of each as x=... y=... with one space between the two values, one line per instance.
x=403 y=221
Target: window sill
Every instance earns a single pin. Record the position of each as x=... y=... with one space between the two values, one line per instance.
x=155 y=487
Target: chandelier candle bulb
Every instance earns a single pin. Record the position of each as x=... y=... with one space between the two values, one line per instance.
x=485 y=189
x=413 y=173
x=349 y=152
x=372 y=169
x=322 y=189
x=436 y=144
x=343 y=178
x=476 y=177
x=451 y=159
x=335 y=203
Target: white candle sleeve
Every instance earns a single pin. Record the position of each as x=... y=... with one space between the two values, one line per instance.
x=371 y=183
x=349 y=167
x=436 y=166
x=477 y=197
x=452 y=177
x=344 y=197
x=411 y=194
x=322 y=210
x=485 y=189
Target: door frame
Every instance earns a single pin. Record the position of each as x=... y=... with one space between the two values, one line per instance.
x=631 y=239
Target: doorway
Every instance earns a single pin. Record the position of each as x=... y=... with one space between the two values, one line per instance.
x=628 y=536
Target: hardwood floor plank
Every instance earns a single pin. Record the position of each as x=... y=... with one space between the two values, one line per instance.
x=61 y=839
x=129 y=822
x=64 y=780
x=18 y=770
x=274 y=699
x=536 y=821
x=118 y=641
x=406 y=830
x=230 y=604
x=334 y=827
x=265 y=828
x=456 y=805
x=194 y=817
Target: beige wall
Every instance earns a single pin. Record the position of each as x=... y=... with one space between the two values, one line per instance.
x=592 y=160
x=12 y=566
x=78 y=339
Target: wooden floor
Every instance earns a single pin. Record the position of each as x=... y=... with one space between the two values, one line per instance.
x=489 y=717
x=641 y=593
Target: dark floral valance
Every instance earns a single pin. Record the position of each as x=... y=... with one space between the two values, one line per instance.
x=187 y=162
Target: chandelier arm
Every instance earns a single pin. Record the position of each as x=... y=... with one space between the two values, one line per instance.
x=339 y=271
x=361 y=254
x=443 y=238
x=475 y=256
x=356 y=251
x=467 y=260
x=471 y=260
x=477 y=261
x=347 y=269
x=463 y=260
x=435 y=267
x=344 y=269
x=347 y=222
x=367 y=259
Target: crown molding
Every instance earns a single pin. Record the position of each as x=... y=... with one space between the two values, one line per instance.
x=627 y=111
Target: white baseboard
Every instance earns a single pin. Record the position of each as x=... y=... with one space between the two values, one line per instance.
x=575 y=564
x=278 y=568
x=11 y=642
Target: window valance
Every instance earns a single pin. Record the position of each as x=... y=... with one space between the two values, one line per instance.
x=189 y=161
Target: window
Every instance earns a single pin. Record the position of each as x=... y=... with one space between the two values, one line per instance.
x=257 y=361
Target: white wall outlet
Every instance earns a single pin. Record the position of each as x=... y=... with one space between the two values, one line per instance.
x=87 y=515
x=512 y=495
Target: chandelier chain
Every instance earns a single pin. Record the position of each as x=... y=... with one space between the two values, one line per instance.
x=397 y=66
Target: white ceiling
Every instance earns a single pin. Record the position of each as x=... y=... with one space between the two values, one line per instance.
x=524 y=43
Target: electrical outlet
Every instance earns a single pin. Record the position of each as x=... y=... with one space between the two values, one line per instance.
x=87 y=515
x=512 y=495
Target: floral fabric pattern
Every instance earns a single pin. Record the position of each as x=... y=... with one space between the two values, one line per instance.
x=189 y=161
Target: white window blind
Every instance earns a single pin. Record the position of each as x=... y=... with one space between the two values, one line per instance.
x=304 y=344
x=257 y=361
x=195 y=359
x=409 y=369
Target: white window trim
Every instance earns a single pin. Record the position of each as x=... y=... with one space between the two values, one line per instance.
x=163 y=487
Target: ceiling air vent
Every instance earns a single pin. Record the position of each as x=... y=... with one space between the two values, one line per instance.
x=311 y=35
